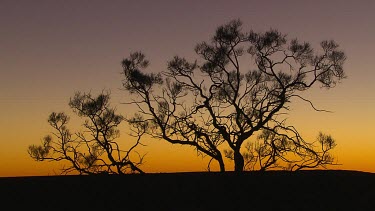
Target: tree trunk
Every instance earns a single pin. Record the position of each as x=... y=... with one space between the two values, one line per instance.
x=221 y=165
x=238 y=161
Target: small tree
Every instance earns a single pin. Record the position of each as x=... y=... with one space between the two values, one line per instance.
x=94 y=150
x=242 y=86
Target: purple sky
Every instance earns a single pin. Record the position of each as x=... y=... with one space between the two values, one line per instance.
x=50 y=49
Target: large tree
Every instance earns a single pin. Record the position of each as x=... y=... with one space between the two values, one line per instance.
x=93 y=150
x=240 y=87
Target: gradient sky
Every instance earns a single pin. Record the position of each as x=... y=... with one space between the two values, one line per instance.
x=49 y=49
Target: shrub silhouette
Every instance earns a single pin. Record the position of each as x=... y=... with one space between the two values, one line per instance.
x=94 y=150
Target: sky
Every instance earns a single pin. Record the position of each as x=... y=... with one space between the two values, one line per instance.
x=49 y=49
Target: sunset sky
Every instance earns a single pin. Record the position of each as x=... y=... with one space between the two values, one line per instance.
x=49 y=49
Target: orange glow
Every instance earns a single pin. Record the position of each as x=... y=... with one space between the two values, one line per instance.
x=50 y=50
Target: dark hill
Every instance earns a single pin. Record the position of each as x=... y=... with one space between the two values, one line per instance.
x=273 y=190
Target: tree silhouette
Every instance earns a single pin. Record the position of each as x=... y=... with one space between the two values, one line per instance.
x=94 y=150
x=240 y=87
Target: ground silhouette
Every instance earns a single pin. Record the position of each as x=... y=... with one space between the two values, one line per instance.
x=282 y=190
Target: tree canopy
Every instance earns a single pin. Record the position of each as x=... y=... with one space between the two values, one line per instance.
x=233 y=100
